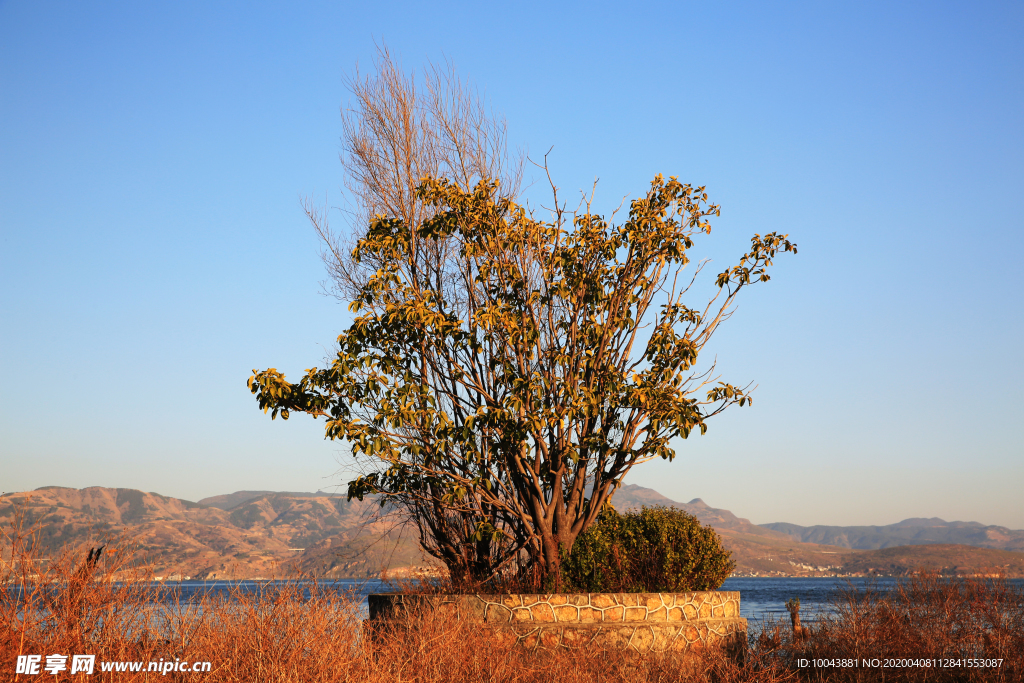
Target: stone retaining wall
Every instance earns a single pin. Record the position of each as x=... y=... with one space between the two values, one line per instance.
x=639 y=621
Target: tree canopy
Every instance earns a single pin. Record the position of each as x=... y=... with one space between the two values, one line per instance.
x=504 y=373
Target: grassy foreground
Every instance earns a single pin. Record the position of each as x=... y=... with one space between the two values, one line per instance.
x=289 y=633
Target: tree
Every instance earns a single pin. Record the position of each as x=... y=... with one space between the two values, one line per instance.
x=396 y=131
x=502 y=393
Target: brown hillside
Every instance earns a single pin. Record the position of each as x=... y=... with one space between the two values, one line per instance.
x=945 y=559
x=269 y=535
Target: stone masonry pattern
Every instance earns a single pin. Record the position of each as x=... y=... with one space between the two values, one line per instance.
x=637 y=621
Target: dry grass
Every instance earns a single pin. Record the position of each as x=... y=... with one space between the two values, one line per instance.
x=297 y=633
x=68 y=605
x=926 y=618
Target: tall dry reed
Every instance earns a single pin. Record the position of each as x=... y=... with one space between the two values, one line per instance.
x=73 y=603
x=928 y=628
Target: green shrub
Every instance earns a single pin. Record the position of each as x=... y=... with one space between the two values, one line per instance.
x=653 y=550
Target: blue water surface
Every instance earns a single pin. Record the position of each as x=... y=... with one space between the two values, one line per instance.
x=761 y=598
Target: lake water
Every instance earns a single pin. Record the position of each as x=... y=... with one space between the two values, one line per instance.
x=763 y=598
x=760 y=598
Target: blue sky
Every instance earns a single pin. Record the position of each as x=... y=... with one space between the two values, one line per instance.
x=153 y=250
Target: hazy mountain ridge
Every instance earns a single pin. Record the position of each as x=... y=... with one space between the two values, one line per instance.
x=914 y=531
x=232 y=500
x=250 y=534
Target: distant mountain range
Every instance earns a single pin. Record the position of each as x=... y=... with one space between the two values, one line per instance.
x=250 y=534
x=916 y=531
x=778 y=549
x=265 y=534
